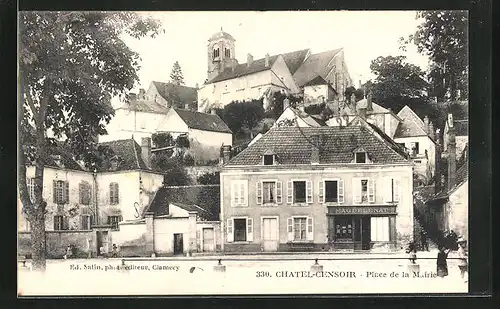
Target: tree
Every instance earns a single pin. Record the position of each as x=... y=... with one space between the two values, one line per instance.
x=443 y=36
x=241 y=116
x=176 y=76
x=175 y=174
x=70 y=65
x=163 y=139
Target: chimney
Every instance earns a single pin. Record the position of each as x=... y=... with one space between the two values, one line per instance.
x=213 y=111
x=431 y=130
x=225 y=154
x=426 y=124
x=359 y=85
x=369 y=100
x=197 y=86
x=186 y=106
x=142 y=94
x=249 y=60
x=315 y=149
x=301 y=108
x=266 y=60
x=146 y=151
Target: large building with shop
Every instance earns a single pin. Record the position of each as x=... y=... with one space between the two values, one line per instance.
x=317 y=188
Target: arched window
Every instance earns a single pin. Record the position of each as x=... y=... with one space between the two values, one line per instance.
x=216 y=53
x=114 y=193
x=227 y=53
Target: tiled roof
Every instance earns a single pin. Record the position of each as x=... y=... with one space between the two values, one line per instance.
x=146 y=106
x=294 y=59
x=221 y=34
x=185 y=94
x=315 y=65
x=461 y=127
x=411 y=125
x=128 y=154
x=203 y=199
x=293 y=146
x=308 y=119
x=462 y=175
x=243 y=69
x=203 y=121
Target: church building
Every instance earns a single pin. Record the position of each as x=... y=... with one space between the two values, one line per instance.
x=321 y=76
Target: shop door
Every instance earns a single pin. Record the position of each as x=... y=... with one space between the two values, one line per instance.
x=270 y=234
x=208 y=239
x=365 y=233
x=178 y=244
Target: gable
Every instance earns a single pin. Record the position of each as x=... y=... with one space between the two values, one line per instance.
x=315 y=65
x=203 y=121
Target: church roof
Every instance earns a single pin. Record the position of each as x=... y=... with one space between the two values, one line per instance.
x=314 y=65
x=221 y=35
x=203 y=121
x=293 y=61
x=186 y=94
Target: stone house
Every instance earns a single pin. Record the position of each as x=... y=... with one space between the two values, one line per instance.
x=317 y=188
x=229 y=80
x=418 y=137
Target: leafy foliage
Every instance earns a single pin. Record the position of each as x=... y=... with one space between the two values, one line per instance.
x=276 y=104
x=209 y=178
x=176 y=76
x=70 y=65
x=443 y=36
x=241 y=116
x=175 y=175
x=163 y=139
x=315 y=109
x=182 y=141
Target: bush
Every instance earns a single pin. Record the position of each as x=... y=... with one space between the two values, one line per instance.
x=163 y=139
x=182 y=141
x=209 y=179
x=188 y=159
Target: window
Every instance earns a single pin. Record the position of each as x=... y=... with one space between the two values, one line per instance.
x=239 y=229
x=58 y=223
x=114 y=193
x=216 y=53
x=84 y=190
x=227 y=53
x=269 y=192
x=364 y=190
x=30 y=182
x=379 y=228
x=415 y=148
x=299 y=192
x=343 y=228
x=86 y=222
x=392 y=187
x=61 y=191
x=300 y=229
x=331 y=191
x=239 y=193
x=402 y=145
x=360 y=157
x=268 y=159
x=113 y=221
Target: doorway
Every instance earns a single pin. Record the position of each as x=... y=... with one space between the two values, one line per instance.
x=365 y=233
x=102 y=241
x=178 y=244
x=270 y=234
x=208 y=239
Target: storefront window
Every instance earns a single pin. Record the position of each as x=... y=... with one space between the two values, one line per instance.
x=343 y=229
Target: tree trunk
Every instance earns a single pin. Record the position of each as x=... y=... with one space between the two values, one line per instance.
x=38 y=241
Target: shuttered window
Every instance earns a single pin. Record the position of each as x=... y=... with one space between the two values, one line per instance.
x=239 y=193
x=379 y=228
x=392 y=189
x=114 y=193
x=60 y=192
x=58 y=223
x=113 y=221
x=30 y=182
x=84 y=193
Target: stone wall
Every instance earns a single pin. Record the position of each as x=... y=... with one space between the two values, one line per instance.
x=58 y=241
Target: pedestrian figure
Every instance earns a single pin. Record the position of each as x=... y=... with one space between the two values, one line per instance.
x=442 y=266
x=102 y=252
x=462 y=255
x=115 y=251
x=423 y=241
x=69 y=252
x=412 y=252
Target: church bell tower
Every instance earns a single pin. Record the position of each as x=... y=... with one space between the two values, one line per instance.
x=221 y=53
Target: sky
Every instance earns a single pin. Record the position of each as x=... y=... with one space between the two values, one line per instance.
x=364 y=35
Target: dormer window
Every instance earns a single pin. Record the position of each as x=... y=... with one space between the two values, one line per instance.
x=269 y=159
x=361 y=157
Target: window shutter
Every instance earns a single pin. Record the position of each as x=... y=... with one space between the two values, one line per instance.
x=55 y=223
x=309 y=192
x=229 y=227
x=290 y=229
x=371 y=190
x=65 y=223
x=249 y=229
x=111 y=194
x=92 y=220
x=289 y=192
x=244 y=193
x=80 y=193
x=54 y=190
x=321 y=191
x=356 y=187
x=66 y=192
x=279 y=193
x=340 y=191
x=397 y=189
x=387 y=189
x=259 y=192
x=310 y=229
x=117 y=193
